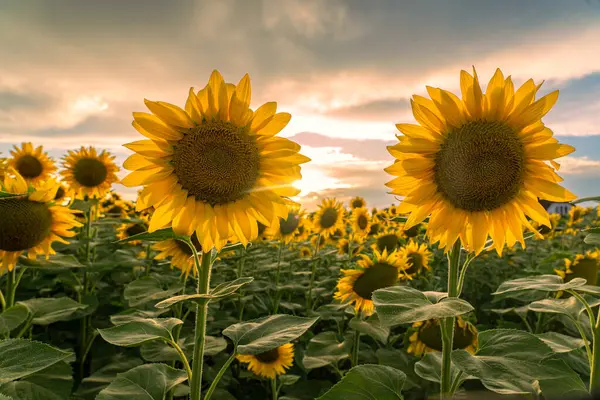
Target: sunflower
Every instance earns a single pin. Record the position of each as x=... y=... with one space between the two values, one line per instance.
x=286 y=229
x=387 y=240
x=375 y=229
x=426 y=337
x=576 y=214
x=31 y=221
x=305 y=252
x=417 y=257
x=583 y=266
x=329 y=217
x=343 y=245
x=116 y=209
x=412 y=232
x=181 y=255
x=3 y=167
x=216 y=167
x=361 y=221
x=357 y=202
x=393 y=211
x=547 y=231
x=33 y=164
x=130 y=229
x=478 y=165
x=89 y=173
x=322 y=241
x=376 y=272
x=270 y=363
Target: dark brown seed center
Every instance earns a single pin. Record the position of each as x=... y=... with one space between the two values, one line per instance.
x=268 y=357
x=23 y=223
x=416 y=263
x=183 y=246
x=387 y=242
x=480 y=166
x=363 y=222
x=217 y=162
x=378 y=276
x=329 y=217
x=90 y=172
x=289 y=225
x=29 y=166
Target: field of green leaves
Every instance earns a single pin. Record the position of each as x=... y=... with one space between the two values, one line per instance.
x=105 y=319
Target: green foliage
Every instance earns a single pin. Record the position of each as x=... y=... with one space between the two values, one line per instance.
x=366 y=382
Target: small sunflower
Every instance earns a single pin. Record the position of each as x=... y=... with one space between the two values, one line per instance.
x=329 y=217
x=413 y=231
x=387 y=240
x=393 y=211
x=216 y=167
x=375 y=229
x=181 y=255
x=305 y=252
x=357 y=202
x=343 y=245
x=477 y=166
x=286 y=229
x=130 y=229
x=89 y=173
x=583 y=266
x=361 y=221
x=548 y=232
x=32 y=221
x=33 y=164
x=576 y=215
x=426 y=337
x=417 y=256
x=271 y=363
x=116 y=209
x=357 y=285
x=3 y=166
x=322 y=241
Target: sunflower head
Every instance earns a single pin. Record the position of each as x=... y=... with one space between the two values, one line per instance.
x=182 y=257
x=376 y=272
x=375 y=229
x=576 y=214
x=89 y=173
x=361 y=221
x=412 y=231
x=477 y=165
x=582 y=266
x=417 y=257
x=329 y=217
x=287 y=228
x=425 y=337
x=393 y=211
x=215 y=167
x=322 y=241
x=357 y=202
x=387 y=240
x=33 y=164
x=31 y=222
x=130 y=229
x=305 y=252
x=343 y=245
x=271 y=363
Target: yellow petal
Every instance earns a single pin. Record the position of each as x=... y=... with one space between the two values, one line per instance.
x=170 y=114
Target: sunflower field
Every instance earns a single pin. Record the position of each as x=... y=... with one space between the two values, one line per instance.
x=215 y=284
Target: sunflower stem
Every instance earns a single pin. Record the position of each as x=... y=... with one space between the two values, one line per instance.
x=11 y=288
x=309 y=302
x=2 y=301
x=277 y=295
x=204 y=269
x=447 y=325
x=274 y=388
x=240 y=271
x=220 y=374
x=355 y=348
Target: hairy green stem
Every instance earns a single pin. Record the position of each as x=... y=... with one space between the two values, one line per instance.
x=2 y=301
x=274 y=388
x=277 y=276
x=447 y=325
x=309 y=300
x=240 y=271
x=204 y=269
x=10 y=287
x=183 y=358
x=220 y=374
x=355 y=348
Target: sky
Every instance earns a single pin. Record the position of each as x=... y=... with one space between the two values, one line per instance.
x=72 y=72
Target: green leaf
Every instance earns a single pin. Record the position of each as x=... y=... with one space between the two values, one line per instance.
x=367 y=382
x=148 y=289
x=23 y=390
x=371 y=327
x=5 y=397
x=57 y=378
x=222 y=290
x=402 y=304
x=560 y=343
x=55 y=261
x=401 y=360
x=592 y=238
x=133 y=315
x=288 y=379
x=430 y=368
x=12 y=318
x=140 y=331
x=46 y=311
x=264 y=334
x=20 y=358
x=545 y=283
x=568 y=387
x=5 y=195
x=146 y=382
x=91 y=385
x=325 y=349
x=156 y=236
x=570 y=307
x=510 y=361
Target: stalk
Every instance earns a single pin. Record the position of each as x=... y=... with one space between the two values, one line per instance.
x=10 y=287
x=214 y=383
x=447 y=325
x=277 y=294
x=204 y=269
x=274 y=388
x=355 y=348
x=312 y=275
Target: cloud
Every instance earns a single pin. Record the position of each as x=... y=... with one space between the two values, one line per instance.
x=579 y=166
